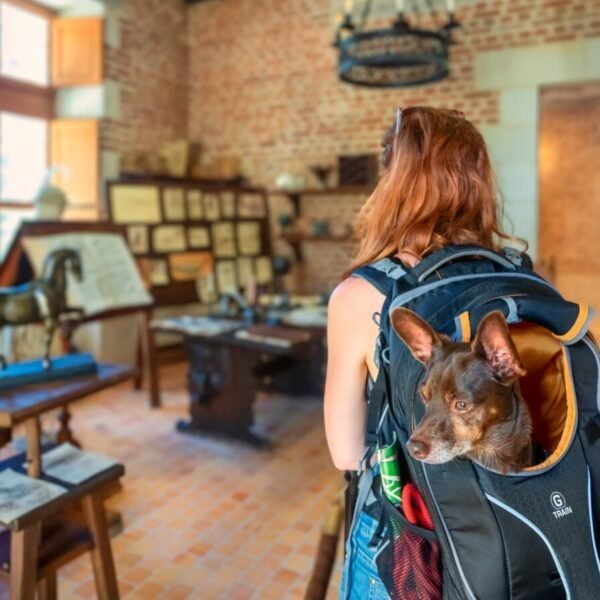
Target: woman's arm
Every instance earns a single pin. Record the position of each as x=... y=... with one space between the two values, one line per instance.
x=351 y=335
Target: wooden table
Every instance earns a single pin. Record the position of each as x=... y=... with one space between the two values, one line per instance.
x=16 y=269
x=225 y=373
x=45 y=538
x=26 y=404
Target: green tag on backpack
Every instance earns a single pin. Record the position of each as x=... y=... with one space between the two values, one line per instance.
x=389 y=468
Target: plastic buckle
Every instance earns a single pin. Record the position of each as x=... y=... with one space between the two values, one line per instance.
x=514 y=256
x=366 y=457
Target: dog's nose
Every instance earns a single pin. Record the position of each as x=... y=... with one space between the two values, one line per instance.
x=418 y=448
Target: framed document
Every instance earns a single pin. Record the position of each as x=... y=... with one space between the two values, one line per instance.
x=206 y=288
x=198 y=237
x=212 y=210
x=195 y=209
x=251 y=206
x=189 y=266
x=226 y=276
x=168 y=238
x=174 y=204
x=137 y=239
x=135 y=204
x=228 y=205
x=223 y=240
x=248 y=235
x=159 y=274
x=111 y=278
x=264 y=270
x=245 y=270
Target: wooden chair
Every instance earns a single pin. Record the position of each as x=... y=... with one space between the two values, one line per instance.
x=326 y=551
x=35 y=545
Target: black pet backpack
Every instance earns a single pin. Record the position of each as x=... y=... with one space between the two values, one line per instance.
x=533 y=535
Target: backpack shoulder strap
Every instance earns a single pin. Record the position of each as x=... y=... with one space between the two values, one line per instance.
x=381 y=274
x=376 y=409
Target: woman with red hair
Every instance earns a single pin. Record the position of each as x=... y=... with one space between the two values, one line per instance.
x=437 y=188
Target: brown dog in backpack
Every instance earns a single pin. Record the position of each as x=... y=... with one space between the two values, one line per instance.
x=473 y=404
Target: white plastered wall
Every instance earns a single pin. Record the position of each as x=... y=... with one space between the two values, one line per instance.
x=518 y=73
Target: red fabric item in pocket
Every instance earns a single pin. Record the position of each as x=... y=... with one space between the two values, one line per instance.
x=414 y=507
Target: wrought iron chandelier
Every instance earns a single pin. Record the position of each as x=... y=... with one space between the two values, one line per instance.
x=399 y=55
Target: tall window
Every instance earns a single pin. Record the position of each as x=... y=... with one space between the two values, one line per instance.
x=24 y=144
x=26 y=104
x=25 y=43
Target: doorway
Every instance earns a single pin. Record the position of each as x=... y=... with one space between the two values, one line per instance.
x=569 y=179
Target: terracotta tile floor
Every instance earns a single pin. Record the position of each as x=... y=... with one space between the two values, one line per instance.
x=204 y=517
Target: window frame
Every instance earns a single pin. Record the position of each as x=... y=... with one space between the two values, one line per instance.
x=32 y=7
x=29 y=99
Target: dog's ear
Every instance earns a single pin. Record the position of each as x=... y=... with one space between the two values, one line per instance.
x=493 y=342
x=416 y=333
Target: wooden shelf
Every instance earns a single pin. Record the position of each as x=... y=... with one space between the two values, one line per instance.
x=343 y=190
x=62 y=541
x=240 y=181
x=64 y=538
x=299 y=238
x=296 y=195
x=296 y=241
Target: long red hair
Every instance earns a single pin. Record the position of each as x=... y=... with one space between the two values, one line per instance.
x=437 y=188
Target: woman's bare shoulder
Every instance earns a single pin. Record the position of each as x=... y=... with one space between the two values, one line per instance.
x=354 y=294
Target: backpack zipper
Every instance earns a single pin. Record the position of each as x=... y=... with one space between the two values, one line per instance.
x=414 y=397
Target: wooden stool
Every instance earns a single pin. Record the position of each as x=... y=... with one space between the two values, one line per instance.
x=37 y=543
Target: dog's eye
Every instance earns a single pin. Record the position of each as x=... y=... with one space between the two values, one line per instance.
x=461 y=405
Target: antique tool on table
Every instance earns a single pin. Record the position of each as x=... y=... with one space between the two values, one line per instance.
x=43 y=299
x=233 y=305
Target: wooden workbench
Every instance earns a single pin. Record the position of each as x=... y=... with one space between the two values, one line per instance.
x=225 y=373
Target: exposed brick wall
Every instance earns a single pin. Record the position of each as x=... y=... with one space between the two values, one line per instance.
x=263 y=85
x=324 y=260
x=570 y=188
x=151 y=68
x=257 y=78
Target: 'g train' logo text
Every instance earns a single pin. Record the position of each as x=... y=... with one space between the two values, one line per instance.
x=560 y=504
